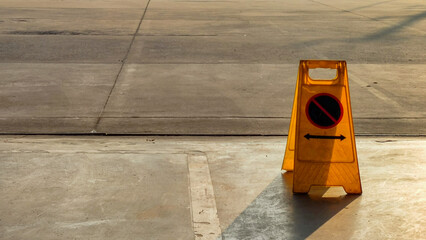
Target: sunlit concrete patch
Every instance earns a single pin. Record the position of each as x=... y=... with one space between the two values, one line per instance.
x=399 y=14
x=96 y=196
x=63 y=48
x=34 y=90
x=393 y=174
x=395 y=89
x=134 y=187
x=392 y=206
x=68 y=21
x=232 y=64
x=203 y=90
x=216 y=99
x=241 y=174
x=47 y=125
x=207 y=99
x=53 y=98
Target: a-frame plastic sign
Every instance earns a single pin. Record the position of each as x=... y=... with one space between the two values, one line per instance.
x=321 y=143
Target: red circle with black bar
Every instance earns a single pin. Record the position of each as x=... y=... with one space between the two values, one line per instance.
x=324 y=110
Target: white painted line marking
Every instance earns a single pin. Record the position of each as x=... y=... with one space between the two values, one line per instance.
x=204 y=211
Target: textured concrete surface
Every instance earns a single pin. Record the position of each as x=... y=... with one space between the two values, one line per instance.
x=203 y=67
x=188 y=187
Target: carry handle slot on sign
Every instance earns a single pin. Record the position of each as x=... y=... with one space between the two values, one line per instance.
x=339 y=66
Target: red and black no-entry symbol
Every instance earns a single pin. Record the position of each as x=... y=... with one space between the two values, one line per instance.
x=324 y=110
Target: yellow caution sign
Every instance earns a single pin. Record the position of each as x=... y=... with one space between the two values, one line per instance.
x=321 y=143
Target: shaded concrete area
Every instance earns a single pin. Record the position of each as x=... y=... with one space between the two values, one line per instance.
x=278 y=214
x=148 y=187
x=203 y=67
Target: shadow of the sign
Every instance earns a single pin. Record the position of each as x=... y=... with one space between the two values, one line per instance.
x=311 y=211
x=277 y=213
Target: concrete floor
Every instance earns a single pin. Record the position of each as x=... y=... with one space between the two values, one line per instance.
x=202 y=188
x=107 y=66
x=202 y=67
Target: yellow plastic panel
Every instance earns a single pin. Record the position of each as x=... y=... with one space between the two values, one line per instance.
x=288 y=162
x=321 y=144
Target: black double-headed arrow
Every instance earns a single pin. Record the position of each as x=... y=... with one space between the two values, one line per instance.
x=309 y=136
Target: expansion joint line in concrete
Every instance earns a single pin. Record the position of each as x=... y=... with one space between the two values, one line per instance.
x=344 y=10
x=418 y=16
x=123 y=63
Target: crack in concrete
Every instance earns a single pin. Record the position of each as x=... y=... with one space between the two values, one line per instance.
x=123 y=62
